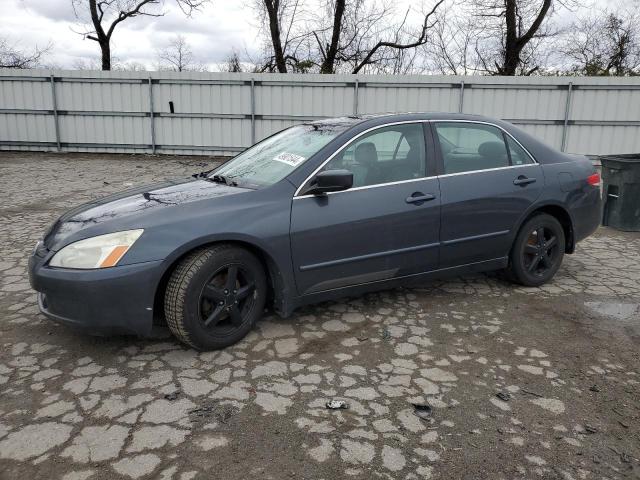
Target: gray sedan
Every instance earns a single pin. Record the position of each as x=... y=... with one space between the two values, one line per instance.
x=315 y=212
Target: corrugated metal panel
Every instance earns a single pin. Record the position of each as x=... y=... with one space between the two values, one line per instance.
x=619 y=105
x=190 y=98
x=102 y=97
x=111 y=130
x=604 y=140
x=550 y=134
x=25 y=95
x=398 y=99
x=516 y=103
x=300 y=100
x=203 y=132
x=24 y=128
x=221 y=113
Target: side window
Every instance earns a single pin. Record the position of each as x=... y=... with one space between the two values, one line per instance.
x=471 y=146
x=402 y=148
x=388 y=154
x=518 y=155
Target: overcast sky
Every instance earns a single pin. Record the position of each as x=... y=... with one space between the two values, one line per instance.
x=212 y=33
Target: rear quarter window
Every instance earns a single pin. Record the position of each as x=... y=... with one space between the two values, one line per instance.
x=518 y=155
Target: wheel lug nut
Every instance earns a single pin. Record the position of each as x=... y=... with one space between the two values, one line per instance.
x=221 y=303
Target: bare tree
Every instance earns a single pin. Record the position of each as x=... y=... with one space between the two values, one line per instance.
x=106 y=15
x=509 y=28
x=176 y=56
x=11 y=56
x=451 y=49
x=330 y=52
x=93 y=63
x=365 y=35
x=89 y=63
x=130 y=66
x=280 y=22
x=232 y=63
x=604 y=43
x=396 y=42
x=274 y=12
x=495 y=37
x=341 y=35
x=341 y=28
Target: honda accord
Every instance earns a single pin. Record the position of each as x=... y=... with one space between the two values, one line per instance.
x=315 y=212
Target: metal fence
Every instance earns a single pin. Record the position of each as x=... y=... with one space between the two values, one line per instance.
x=223 y=113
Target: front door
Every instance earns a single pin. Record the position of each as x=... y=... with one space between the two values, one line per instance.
x=385 y=226
x=487 y=182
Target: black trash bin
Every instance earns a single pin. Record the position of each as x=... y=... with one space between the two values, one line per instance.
x=621 y=189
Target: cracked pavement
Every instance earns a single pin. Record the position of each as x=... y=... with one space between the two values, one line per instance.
x=564 y=359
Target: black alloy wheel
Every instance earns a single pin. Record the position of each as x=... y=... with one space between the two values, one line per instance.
x=226 y=298
x=538 y=250
x=215 y=295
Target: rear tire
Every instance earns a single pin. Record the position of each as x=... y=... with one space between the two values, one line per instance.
x=537 y=251
x=214 y=296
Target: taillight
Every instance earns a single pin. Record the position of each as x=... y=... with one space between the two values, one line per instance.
x=594 y=180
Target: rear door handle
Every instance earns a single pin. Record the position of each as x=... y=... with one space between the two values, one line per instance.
x=418 y=198
x=523 y=181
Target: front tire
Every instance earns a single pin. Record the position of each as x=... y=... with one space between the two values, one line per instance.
x=214 y=296
x=538 y=250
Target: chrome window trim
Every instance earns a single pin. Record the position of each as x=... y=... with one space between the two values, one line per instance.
x=366 y=187
x=297 y=195
x=484 y=170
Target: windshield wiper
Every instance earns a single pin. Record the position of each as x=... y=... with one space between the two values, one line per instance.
x=203 y=174
x=222 y=179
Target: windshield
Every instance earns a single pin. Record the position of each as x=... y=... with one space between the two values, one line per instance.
x=275 y=157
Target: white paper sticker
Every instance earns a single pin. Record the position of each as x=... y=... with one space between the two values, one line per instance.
x=289 y=158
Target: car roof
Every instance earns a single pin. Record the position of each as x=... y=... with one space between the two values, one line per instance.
x=538 y=149
x=399 y=116
x=381 y=118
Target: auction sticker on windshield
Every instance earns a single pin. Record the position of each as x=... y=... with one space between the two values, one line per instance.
x=289 y=158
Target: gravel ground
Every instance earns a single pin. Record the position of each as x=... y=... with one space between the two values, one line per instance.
x=564 y=359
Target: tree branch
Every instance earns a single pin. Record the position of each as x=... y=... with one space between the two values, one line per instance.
x=524 y=39
x=132 y=13
x=400 y=46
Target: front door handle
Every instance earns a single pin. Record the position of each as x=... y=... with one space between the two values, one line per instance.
x=418 y=198
x=523 y=181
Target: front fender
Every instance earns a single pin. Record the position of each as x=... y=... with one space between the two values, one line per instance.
x=261 y=225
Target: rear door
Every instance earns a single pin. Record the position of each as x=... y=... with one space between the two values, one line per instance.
x=385 y=226
x=487 y=182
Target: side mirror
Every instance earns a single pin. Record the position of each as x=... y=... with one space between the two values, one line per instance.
x=330 y=181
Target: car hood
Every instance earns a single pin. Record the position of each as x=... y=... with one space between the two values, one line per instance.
x=137 y=202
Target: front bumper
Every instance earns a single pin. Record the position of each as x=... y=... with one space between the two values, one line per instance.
x=117 y=300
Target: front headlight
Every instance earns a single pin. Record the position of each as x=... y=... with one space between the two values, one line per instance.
x=96 y=252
